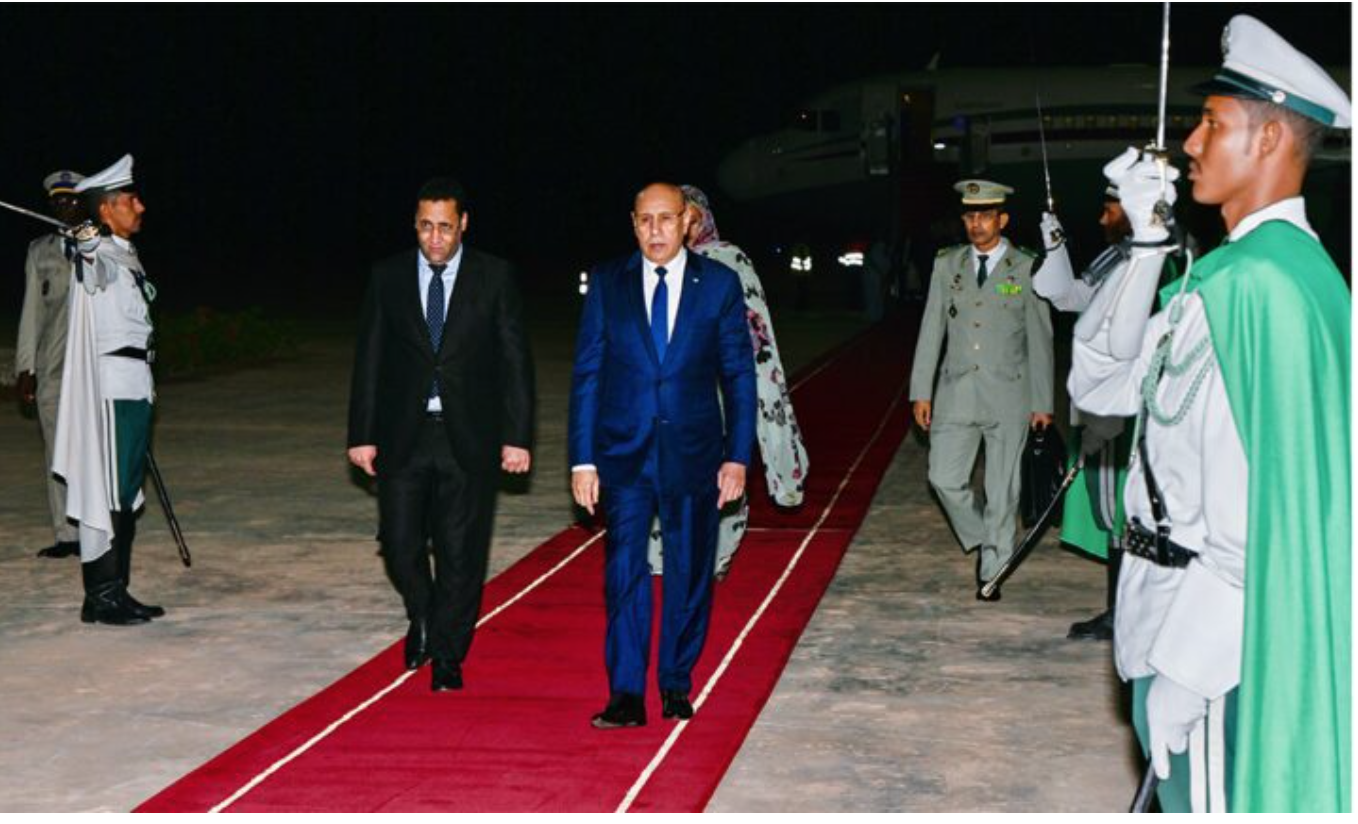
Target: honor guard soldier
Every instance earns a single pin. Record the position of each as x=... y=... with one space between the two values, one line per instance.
x=996 y=378
x=1233 y=610
x=1092 y=515
x=41 y=349
x=104 y=417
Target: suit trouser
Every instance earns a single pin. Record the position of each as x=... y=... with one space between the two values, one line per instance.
x=432 y=496
x=952 y=455
x=56 y=490
x=689 y=525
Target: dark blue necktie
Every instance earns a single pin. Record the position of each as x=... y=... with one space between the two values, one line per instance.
x=980 y=269
x=433 y=315
x=660 y=314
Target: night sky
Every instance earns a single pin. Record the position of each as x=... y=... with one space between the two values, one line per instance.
x=279 y=148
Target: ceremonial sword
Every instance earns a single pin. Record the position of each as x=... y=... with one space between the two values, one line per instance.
x=1145 y=791
x=1030 y=540
x=1046 y=170
x=1163 y=212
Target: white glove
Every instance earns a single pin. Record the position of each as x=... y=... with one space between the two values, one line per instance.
x=1052 y=233
x=1054 y=279
x=1172 y=711
x=1143 y=181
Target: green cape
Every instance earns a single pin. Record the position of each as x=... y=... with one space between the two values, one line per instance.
x=1278 y=311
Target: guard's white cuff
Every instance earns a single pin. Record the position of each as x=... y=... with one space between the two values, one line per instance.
x=584 y=468
x=1199 y=642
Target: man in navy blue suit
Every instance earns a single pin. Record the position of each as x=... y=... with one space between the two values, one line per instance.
x=662 y=330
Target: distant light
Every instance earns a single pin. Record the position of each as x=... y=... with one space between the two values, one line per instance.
x=851 y=259
x=584 y=288
x=584 y=277
x=801 y=264
x=940 y=146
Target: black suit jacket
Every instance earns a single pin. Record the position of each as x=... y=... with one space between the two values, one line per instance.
x=484 y=365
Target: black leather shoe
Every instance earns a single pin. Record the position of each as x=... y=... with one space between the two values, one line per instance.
x=1098 y=628
x=417 y=645
x=61 y=549
x=105 y=604
x=447 y=675
x=675 y=705
x=994 y=596
x=624 y=710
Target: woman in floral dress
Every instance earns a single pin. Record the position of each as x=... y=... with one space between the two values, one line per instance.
x=780 y=439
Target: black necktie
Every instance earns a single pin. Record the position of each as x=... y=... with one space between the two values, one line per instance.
x=980 y=270
x=433 y=314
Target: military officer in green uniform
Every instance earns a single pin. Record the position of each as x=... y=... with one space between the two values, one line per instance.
x=996 y=377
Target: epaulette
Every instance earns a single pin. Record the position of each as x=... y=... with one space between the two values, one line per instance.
x=946 y=249
x=1025 y=250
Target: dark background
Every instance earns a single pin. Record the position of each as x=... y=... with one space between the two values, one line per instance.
x=279 y=148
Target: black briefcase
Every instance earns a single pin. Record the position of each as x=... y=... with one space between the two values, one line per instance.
x=1043 y=468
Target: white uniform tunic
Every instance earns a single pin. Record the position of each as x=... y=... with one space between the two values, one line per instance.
x=1186 y=624
x=122 y=318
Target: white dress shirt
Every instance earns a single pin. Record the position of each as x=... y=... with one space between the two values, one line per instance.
x=449 y=280
x=992 y=258
x=674 y=284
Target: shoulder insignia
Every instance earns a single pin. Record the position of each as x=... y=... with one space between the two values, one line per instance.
x=1026 y=251
x=946 y=249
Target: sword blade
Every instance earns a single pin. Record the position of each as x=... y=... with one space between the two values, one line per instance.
x=1046 y=169
x=35 y=215
x=1164 y=81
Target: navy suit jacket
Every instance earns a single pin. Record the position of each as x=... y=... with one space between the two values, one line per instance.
x=623 y=398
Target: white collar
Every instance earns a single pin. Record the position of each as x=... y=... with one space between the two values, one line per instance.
x=1291 y=210
x=454 y=262
x=674 y=264
x=994 y=255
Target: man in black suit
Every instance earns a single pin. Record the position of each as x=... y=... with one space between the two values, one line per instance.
x=442 y=400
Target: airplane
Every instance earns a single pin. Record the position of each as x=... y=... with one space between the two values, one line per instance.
x=875 y=159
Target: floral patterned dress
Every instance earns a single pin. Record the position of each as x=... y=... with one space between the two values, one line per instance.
x=780 y=439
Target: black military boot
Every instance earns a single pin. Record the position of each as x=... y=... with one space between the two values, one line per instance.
x=105 y=597
x=1100 y=627
x=124 y=532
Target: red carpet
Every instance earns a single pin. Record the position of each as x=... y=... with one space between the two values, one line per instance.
x=518 y=737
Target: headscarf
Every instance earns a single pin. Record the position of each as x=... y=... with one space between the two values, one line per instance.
x=707 y=229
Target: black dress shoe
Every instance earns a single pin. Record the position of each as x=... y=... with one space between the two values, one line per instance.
x=1098 y=628
x=675 y=705
x=447 y=675
x=417 y=645
x=980 y=584
x=624 y=710
x=61 y=549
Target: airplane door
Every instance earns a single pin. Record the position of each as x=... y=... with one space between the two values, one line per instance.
x=879 y=129
x=917 y=126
